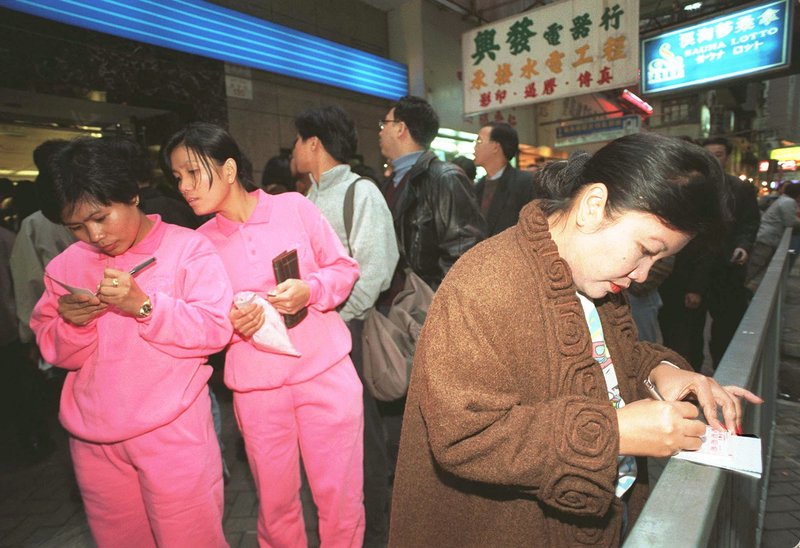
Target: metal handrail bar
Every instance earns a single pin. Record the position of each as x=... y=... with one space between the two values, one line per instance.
x=695 y=505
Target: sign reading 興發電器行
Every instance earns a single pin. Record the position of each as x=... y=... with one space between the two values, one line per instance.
x=740 y=43
x=565 y=49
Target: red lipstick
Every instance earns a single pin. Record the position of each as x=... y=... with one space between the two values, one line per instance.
x=615 y=288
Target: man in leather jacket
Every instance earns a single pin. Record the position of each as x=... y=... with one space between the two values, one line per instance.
x=435 y=213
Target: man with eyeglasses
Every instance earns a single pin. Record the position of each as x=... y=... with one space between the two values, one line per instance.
x=435 y=213
x=505 y=189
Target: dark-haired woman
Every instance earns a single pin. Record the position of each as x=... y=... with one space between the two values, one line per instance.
x=516 y=430
x=135 y=400
x=283 y=403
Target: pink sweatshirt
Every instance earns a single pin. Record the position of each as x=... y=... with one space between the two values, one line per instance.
x=281 y=223
x=129 y=376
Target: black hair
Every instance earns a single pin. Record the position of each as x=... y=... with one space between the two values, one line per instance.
x=792 y=190
x=278 y=172
x=103 y=171
x=720 y=141
x=42 y=157
x=211 y=143
x=419 y=117
x=504 y=134
x=467 y=166
x=678 y=182
x=331 y=125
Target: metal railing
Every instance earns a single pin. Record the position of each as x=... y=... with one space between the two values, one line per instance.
x=694 y=505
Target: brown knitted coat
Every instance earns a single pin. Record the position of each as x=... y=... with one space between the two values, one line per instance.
x=509 y=438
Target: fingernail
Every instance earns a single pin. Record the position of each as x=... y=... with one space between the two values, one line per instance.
x=739 y=430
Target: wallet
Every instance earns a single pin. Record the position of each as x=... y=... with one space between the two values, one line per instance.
x=286 y=266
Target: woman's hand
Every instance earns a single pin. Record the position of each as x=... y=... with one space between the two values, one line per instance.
x=80 y=309
x=247 y=320
x=121 y=290
x=677 y=384
x=650 y=428
x=289 y=296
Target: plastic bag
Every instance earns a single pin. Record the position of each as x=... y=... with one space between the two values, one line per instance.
x=273 y=335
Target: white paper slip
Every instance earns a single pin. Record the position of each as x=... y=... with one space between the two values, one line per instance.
x=71 y=289
x=724 y=450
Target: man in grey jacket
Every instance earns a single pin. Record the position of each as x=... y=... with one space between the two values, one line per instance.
x=782 y=214
x=326 y=140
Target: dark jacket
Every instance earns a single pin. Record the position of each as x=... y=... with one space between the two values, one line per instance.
x=514 y=189
x=746 y=217
x=699 y=269
x=436 y=218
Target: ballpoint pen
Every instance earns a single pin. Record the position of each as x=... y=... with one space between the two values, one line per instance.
x=653 y=390
x=136 y=269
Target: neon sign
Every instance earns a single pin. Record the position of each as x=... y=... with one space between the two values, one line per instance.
x=202 y=28
x=741 y=43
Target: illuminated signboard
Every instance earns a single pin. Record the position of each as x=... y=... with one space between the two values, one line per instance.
x=607 y=129
x=788 y=165
x=202 y=28
x=563 y=49
x=785 y=153
x=743 y=42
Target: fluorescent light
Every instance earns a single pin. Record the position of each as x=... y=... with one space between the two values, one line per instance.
x=205 y=29
x=693 y=6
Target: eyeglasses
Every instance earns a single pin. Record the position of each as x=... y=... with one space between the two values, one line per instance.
x=382 y=123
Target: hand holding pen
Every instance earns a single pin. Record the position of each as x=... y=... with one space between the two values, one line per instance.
x=119 y=288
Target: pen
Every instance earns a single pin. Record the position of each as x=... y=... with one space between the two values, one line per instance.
x=653 y=390
x=135 y=270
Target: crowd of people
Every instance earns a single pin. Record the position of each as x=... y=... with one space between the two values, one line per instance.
x=527 y=414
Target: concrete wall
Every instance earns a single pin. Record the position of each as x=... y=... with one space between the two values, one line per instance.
x=262 y=108
x=347 y=22
x=406 y=43
x=265 y=124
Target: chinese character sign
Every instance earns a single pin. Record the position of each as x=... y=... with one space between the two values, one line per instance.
x=737 y=44
x=560 y=50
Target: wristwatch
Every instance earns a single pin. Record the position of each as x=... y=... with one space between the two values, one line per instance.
x=146 y=309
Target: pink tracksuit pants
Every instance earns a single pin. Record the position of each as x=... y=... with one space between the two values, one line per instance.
x=162 y=488
x=324 y=418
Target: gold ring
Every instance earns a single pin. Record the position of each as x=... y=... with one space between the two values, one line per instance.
x=115 y=282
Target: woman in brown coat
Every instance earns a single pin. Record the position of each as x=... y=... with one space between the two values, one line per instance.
x=516 y=430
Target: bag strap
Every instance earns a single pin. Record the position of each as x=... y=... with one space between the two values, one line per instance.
x=349 y=206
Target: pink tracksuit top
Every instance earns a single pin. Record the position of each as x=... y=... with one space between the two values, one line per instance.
x=129 y=376
x=281 y=223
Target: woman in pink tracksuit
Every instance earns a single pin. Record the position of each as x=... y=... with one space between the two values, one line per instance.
x=135 y=400
x=313 y=401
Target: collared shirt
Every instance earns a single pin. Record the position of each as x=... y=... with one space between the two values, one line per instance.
x=403 y=164
x=497 y=175
x=130 y=375
x=279 y=223
x=489 y=188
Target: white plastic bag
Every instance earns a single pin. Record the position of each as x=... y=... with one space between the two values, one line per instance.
x=272 y=336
